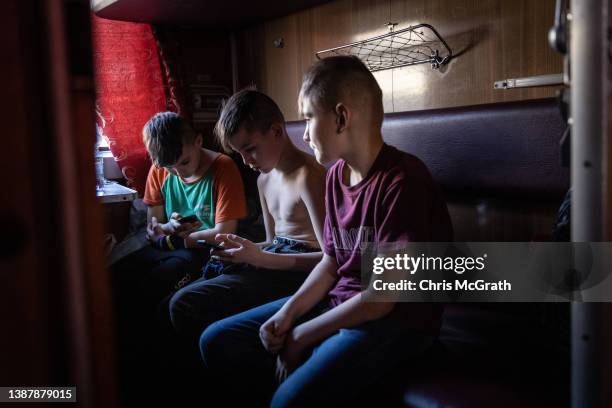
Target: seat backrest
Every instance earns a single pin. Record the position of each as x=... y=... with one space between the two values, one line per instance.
x=499 y=167
x=498 y=164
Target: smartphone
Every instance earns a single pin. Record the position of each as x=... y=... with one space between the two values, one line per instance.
x=189 y=219
x=205 y=244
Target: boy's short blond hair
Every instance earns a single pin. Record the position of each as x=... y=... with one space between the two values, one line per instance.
x=334 y=79
x=164 y=136
x=248 y=109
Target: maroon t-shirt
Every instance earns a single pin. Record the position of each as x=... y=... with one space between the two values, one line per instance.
x=397 y=202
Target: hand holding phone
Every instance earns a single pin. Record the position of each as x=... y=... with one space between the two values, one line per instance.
x=208 y=245
x=189 y=219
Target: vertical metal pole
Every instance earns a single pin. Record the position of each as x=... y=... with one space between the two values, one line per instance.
x=587 y=51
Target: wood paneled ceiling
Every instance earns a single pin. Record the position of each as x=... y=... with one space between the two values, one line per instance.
x=228 y=14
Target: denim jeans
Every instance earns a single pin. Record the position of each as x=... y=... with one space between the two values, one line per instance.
x=334 y=372
x=227 y=289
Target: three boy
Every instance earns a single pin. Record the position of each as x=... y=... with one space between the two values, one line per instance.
x=324 y=342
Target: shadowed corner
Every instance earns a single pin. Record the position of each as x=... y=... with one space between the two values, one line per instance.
x=463 y=42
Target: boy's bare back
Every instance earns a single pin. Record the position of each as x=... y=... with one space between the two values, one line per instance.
x=286 y=197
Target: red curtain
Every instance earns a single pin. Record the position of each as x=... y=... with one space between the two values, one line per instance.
x=129 y=90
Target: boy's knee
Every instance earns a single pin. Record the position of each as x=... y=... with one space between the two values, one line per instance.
x=290 y=395
x=211 y=344
x=184 y=317
x=176 y=308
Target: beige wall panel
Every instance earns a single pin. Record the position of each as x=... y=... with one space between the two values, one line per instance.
x=493 y=40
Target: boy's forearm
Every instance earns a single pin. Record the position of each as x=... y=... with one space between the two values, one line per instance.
x=318 y=283
x=289 y=262
x=207 y=234
x=158 y=212
x=225 y=227
x=348 y=314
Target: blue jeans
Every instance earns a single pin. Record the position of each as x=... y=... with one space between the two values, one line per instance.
x=334 y=372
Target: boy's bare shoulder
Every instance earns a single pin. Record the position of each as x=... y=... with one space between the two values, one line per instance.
x=305 y=175
x=310 y=172
x=262 y=180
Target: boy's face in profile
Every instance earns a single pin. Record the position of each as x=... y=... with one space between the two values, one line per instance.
x=259 y=150
x=320 y=133
x=187 y=165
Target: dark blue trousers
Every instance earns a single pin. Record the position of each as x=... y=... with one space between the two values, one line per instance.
x=227 y=289
x=337 y=370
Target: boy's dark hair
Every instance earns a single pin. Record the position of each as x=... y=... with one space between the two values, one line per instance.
x=248 y=109
x=164 y=136
x=341 y=78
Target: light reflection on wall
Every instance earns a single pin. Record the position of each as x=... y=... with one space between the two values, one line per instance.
x=411 y=79
x=400 y=84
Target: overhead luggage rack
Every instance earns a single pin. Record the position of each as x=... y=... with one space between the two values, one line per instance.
x=419 y=44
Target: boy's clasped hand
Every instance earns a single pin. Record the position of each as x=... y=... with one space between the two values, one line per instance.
x=278 y=337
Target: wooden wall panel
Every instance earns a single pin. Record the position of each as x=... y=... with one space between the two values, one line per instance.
x=493 y=39
x=282 y=71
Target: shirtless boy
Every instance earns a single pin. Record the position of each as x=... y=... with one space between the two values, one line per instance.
x=291 y=188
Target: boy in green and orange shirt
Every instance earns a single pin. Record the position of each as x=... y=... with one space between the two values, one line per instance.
x=185 y=179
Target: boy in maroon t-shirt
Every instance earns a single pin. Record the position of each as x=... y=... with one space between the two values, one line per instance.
x=328 y=343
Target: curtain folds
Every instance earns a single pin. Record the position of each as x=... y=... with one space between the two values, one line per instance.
x=130 y=88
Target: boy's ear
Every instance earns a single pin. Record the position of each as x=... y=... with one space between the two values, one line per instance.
x=277 y=129
x=342 y=117
x=199 y=140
